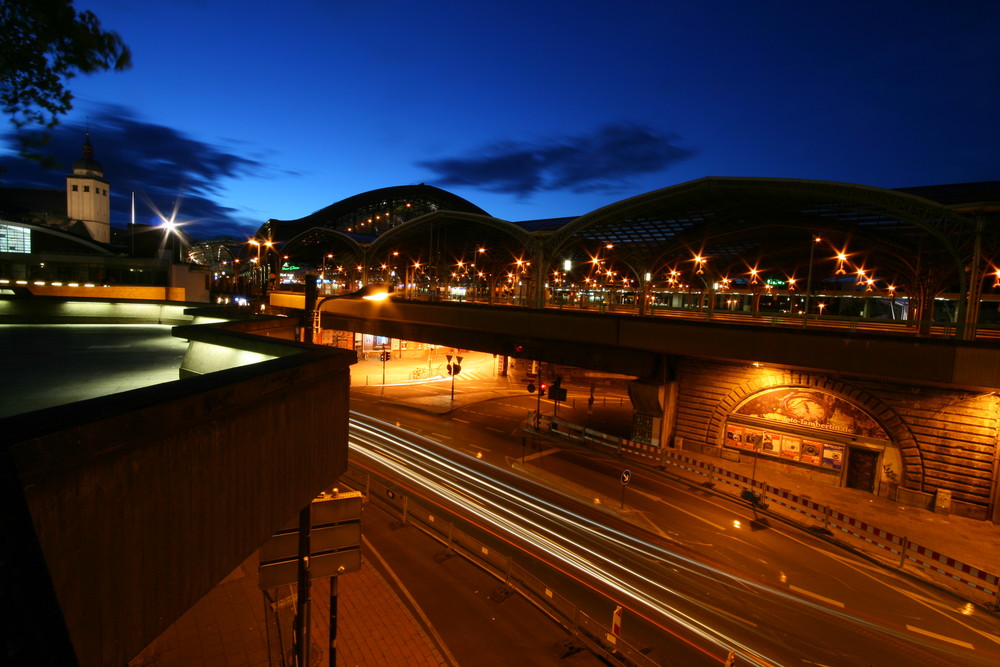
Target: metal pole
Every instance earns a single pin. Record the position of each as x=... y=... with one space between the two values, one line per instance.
x=302 y=615
x=538 y=409
x=333 y=620
x=809 y=277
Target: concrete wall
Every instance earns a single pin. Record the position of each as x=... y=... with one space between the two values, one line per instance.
x=141 y=502
x=44 y=310
x=187 y=283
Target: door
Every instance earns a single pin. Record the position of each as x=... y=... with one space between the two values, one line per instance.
x=862 y=464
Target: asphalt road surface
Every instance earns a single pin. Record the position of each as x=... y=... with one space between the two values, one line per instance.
x=696 y=575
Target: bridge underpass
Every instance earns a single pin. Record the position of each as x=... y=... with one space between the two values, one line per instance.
x=929 y=404
x=632 y=345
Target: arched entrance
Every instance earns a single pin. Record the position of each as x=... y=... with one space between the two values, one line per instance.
x=821 y=434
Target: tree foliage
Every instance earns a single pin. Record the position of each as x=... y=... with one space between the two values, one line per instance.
x=44 y=44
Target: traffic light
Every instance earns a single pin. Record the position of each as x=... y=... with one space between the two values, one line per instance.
x=541 y=390
x=384 y=356
x=556 y=391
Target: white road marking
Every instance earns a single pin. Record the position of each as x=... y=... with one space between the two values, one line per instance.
x=547 y=452
x=681 y=509
x=950 y=640
x=817 y=596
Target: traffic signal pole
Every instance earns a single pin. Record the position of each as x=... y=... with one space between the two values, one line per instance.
x=453 y=370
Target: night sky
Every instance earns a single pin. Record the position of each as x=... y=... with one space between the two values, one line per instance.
x=237 y=112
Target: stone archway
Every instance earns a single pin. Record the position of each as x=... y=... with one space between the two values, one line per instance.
x=897 y=433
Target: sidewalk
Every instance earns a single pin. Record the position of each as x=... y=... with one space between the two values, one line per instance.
x=227 y=627
x=968 y=541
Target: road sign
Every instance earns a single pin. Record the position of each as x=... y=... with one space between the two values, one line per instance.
x=626 y=476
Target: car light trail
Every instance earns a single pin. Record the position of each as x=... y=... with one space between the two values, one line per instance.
x=411 y=462
x=509 y=512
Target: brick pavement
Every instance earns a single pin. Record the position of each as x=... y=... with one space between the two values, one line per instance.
x=227 y=627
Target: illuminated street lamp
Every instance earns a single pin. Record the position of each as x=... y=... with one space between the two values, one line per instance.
x=809 y=277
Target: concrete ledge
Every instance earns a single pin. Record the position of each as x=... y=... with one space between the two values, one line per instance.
x=130 y=507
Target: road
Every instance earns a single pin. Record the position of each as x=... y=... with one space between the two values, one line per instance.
x=696 y=575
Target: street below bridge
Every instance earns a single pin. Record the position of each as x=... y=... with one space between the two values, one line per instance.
x=781 y=593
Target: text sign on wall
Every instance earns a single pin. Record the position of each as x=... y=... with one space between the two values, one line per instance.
x=812 y=409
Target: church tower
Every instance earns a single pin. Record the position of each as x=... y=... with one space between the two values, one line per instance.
x=87 y=198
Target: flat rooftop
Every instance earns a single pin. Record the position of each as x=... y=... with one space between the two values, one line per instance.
x=53 y=364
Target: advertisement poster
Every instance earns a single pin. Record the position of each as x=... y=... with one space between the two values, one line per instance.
x=770 y=443
x=811 y=452
x=790 y=447
x=833 y=456
x=811 y=408
x=735 y=436
x=642 y=428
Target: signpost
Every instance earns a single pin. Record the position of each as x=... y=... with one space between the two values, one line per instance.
x=453 y=370
x=324 y=541
x=384 y=357
x=626 y=478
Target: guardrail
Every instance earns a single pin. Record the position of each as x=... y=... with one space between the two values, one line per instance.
x=585 y=631
x=901 y=551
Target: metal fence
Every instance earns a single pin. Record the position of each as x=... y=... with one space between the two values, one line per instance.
x=900 y=550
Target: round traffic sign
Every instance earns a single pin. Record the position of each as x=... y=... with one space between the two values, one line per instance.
x=626 y=476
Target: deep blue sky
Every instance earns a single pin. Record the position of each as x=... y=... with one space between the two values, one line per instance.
x=250 y=110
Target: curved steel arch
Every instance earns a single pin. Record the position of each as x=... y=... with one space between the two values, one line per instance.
x=393 y=235
x=394 y=201
x=902 y=206
x=340 y=237
x=649 y=221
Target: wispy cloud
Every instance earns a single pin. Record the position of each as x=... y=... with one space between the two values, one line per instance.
x=602 y=160
x=159 y=164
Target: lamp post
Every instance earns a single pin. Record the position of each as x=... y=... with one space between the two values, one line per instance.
x=809 y=277
x=313 y=310
x=255 y=242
